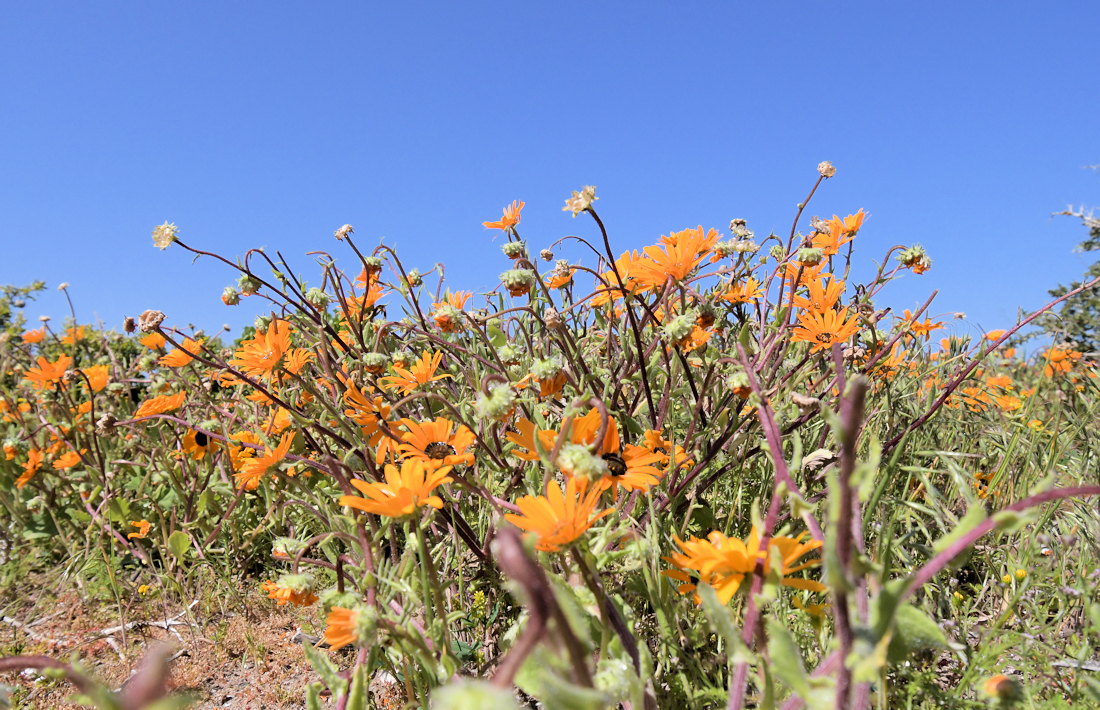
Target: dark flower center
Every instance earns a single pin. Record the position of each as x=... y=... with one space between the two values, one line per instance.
x=439 y=450
x=615 y=464
x=824 y=337
x=201 y=439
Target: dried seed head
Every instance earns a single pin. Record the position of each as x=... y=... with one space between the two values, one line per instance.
x=44 y=319
x=129 y=324
x=740 y=229
x=106 y=424
x=805 y=404
x=826 y=169
x=552 y=318
x=580 y=201
x=546 y=255
x=343 y=232
x=819 y=224
x=150 y=320
x=164 y=234
x=64 y=285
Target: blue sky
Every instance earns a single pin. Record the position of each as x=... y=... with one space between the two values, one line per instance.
x=959 y=125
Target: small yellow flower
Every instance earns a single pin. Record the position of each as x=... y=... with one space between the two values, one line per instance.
x=1020 y=574
x=1007 y=579
x=143 y=589
x=958 y=596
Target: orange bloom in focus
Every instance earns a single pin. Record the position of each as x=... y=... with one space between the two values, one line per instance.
x=239 y=455
x=160 y=405
x=823 y=295
x=682 y=253
x=630 y=467
x=48 y=374
x=629 y=266
x=403 y=493
x=422 y=372
x=436 y=445
x=841 y=231
x=197 y=444
x=556 y=280
x=259 y=356
x=824 y=329
x=68 y=460
x=254 y=468
x=153 y=341
x=183 y=354
x=557 y=519
x=525 y=439
x=143 y=527
x=510 y=218
x=34 y=460
x=34 y=336
x=744 y=292
x=720 y=561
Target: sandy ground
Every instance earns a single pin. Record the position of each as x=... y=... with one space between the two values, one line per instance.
x=236 y=659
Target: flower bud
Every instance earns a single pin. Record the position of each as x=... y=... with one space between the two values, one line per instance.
x=248 y=285
x=916 y=259
x=545 y=369
x=577 y=461
x=414 y=279
x=230 y=297
x=508 y=355
x=514 y=250
x=498 y=404
x=334 y=597
x=317 y=298
x=679 y=327
x=375 y=363
x=777 y=252
x=261 y=323
x=518 y=281
x=739 y=383
x=372 y=265
x=810 y=256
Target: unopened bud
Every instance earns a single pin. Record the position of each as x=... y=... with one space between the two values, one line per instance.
x=514 y=250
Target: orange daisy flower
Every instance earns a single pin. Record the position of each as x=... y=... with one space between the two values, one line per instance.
x=436 y=445
x=259 y=356
x=343 y=627
x=630 y=467
x=161 y=405
x=183 y=354
x=153 y=341
x=34 y=336
x=404 y=492
x=681 y=254
x=822 y=297
x=98 y=376
x=824 y=329
x=143 y=528
x=254 y=468
x=745 y=292
x=34 y=460
x=68 y=460
x=509 y=220
x=48 y=374
x=422 y=372
x=73 y=334
x=558 y=519
x=524 y=439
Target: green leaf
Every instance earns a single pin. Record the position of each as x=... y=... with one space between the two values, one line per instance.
x=473 y=695
x=357 y=698
x=786 y=659
x=973 y=518
x=313 y=696
x=179 y=543
x=721 y=620
x=914 y=631
x=497 y=336
x=1012 y=521
x=327 y=670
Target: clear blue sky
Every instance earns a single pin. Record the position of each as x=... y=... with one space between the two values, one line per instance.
x=959 y=125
